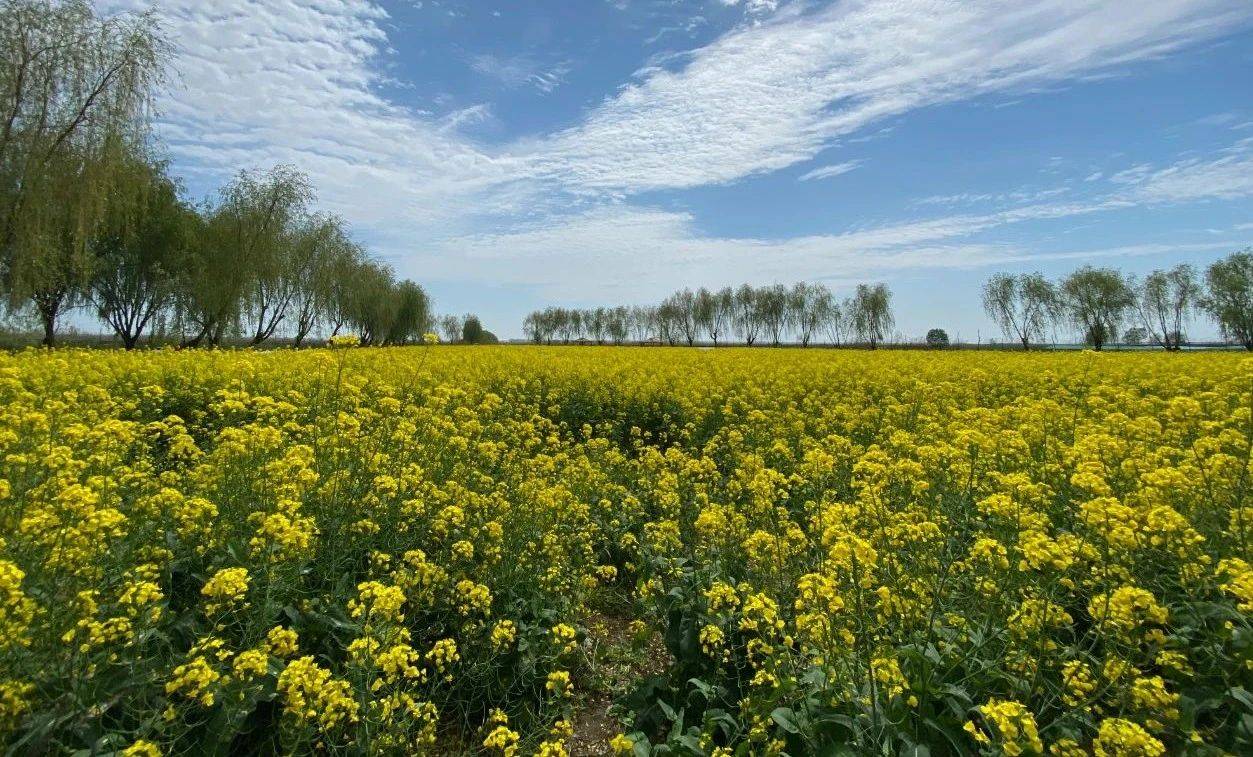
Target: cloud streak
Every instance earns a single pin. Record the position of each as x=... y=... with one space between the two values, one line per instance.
x=520 y=70
x=647 y=251
x=767 y=96
x=1227 y=177
x=275 y=81
x=828 y=172
x=268 y=82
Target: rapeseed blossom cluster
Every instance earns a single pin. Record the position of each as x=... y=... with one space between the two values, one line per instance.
x=399 y=551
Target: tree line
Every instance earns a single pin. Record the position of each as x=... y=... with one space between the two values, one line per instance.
x=1103 y=303
x=91 y=218
x=771 y=314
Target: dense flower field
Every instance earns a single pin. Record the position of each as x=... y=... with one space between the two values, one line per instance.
x=402 y=550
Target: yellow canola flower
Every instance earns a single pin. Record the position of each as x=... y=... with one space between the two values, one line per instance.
x=502 y=740
x=1013 y=727
x=17 y=610
x=225 y=589
x=422 y=520
x=312 y=694
x=1123 y=738
x=1127 y=610
x=142 y=748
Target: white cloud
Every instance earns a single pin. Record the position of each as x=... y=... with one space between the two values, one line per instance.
x=687 y=27
x=767 y=96
x=1218 y=119
x=520 y=70
x=971 y=198
x=1228 y=176
x=755 y=7
x=638 y=253
x=623 y=253
x=827 y=172
x=472 y=114
x=266 y=82
x=270 y=81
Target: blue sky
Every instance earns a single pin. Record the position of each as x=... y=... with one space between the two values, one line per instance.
x=511 y=155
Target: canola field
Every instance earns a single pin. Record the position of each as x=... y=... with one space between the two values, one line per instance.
x=419 y=550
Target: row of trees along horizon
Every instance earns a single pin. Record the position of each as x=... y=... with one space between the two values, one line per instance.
x=1095 y=302
x=91 y=219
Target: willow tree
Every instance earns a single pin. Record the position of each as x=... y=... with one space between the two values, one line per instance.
x=240 y=268
x=76 y=95
x=643 y=322
x=774 y=311
x=450 y=325
x=322 y=262
x=411 y=313
x=1164 y=300
x=680 y=307
x=372 y=304
x=813 y=308
x=744 y=314
x=139 y=250
x=1021 y=305
x=55 y=260
x=1096 y=300
x=713 y=311
x=1229 y=296
x=871 y=313
x=837 y=322
x=271 y=212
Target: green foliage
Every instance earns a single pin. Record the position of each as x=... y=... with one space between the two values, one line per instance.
x=471 y=329
x=937 y=338
x=1097 y=300
x=78 y=90
x=1230 y=296
x=1136 y=335
x=139 y=249
x=1164 y=300
x=1021 y=305
x=871 y=313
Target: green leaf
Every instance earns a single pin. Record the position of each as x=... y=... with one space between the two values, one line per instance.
x=671 y=715
x=1241 y=695
x=786 y=719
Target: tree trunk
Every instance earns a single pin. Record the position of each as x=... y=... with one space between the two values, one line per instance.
x=215 y=335
x=191 y=342
x=48 y=308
